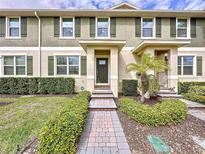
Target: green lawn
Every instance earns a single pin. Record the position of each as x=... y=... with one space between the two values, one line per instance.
x=21 y=120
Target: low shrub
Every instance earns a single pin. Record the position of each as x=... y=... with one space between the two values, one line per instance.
x=198 y=90
x=183 y=87
x=61 y=133
x=166 y=112
x=129 y=87
x=194 y=97
x=25 y=86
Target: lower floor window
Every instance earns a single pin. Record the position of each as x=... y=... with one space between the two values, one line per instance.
x=14 y=65
x=185 y=65
x=67 y=65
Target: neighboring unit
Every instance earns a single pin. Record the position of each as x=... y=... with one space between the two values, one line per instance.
x=94 y=46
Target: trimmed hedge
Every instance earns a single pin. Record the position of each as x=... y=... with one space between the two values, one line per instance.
x=197 y=90
x=183 y=87
x=42 y=85
x=61 y=133
x=195 y=97
x=129 y=87
x=166 y=112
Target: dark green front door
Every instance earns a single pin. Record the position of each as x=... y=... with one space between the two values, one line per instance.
x=102 y=70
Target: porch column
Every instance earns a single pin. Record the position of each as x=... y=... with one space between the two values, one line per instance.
x=90 y=68
x=1 y=66
x=114 y=71
x=173 y=75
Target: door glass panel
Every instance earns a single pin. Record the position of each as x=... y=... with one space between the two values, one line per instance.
x=102 y=62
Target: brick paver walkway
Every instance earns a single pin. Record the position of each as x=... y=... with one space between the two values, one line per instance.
x=103 y=135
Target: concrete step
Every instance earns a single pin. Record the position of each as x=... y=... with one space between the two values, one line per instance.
x=166 y=92
x=102 y=96
x=102 y=92
x=170 y=95
x=104 y=103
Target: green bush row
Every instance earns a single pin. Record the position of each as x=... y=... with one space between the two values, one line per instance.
x=195 y=97
x=183 y=87
x=129 y=87
x=37 y=85
x=166 y=112
x=198 y=90
x=62 y=132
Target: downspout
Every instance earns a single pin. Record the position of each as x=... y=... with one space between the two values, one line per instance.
x=39 y=44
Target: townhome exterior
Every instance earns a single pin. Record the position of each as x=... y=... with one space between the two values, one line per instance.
x=94 y=46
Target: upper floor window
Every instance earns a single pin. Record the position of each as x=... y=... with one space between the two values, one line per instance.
x=182 y=27
x=14 y=65
x=185 y=65
x=67 y=65
x=13 y=27
x=102 y=27
x=67 y=27
x=147 y=27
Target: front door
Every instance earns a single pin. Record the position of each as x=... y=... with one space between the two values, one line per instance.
x=102 y=70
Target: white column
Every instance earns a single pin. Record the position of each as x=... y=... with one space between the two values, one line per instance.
x=90 y=69
x=1 y=66
x=114 y=71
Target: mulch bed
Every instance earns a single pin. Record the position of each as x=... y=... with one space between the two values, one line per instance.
x=177 y=137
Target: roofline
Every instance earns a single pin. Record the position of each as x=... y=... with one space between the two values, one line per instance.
x=125 y=3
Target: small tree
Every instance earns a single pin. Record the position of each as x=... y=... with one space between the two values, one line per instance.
x=146 y=63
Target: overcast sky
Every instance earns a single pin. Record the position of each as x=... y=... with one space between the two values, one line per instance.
x=104 y=4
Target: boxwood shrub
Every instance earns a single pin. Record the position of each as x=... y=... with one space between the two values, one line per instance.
x=60 y=134
x=166 y=112
x=25 y=86
x=129 y=87
x=183 y=87
x=194 y=97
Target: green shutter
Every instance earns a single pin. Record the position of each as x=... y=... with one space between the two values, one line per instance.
x=92 y=26
x=77 y=26
x=50 y=65
x=173 y=27
x=158 y=27
x=113 y=27
x=30 y=65
x=56 y=26
x=83 y=65
x=2 y=26
x=199 y=65
x=193 y=27
x=23 y=26
x=138 y=27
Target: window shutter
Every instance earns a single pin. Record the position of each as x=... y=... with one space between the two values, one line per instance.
x=2 y=26
x=50 y=65
x=113 y=27
x=30 y=65
x=56 y=26
x=23 y=26
x=199 y=65
x=138 y=27
x=193 y=27
x=92 y=26
x=77 y=26
x=173 y=27
x=158 y=27
x=83 y=65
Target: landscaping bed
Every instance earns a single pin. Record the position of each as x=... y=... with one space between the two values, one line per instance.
x=176 y=136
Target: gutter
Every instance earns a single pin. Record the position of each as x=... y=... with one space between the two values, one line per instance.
x=39 y=44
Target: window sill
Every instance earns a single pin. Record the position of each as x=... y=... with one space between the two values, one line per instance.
x=148 y=38
x=70 y=76
x=13 y=38
x=183 y=38
x=102 y=37
x=187 y=76
x=66 y=38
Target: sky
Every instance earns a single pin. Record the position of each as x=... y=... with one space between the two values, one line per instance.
x=103 y=4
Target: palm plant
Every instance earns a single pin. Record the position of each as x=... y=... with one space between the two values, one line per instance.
x=145 y=64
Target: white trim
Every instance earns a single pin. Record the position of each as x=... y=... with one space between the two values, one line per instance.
x=113 y=77
x=7 y=36
x=96 y=28
x=67 y=37
x=153 y=28
x=124 y=3
x=191 y=49
x=173 y=77
x=67 y=54
x=90 y=77
x=13 y=54
x=42 y=48
x=188 y=29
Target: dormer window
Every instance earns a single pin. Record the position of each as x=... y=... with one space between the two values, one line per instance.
x=182 y=28
x=67 y=27
x=13 y=27
x=147 y=27
x=103 y=27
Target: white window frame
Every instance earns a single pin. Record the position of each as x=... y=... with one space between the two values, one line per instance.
x=182 y=69
x=67 y=66
x=14 y=66
x=61 y=28
x=96 y=28
x=188 y=29
x=153 y=28
x=8 y=28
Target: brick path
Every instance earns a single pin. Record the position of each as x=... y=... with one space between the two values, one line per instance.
x=103 y=135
